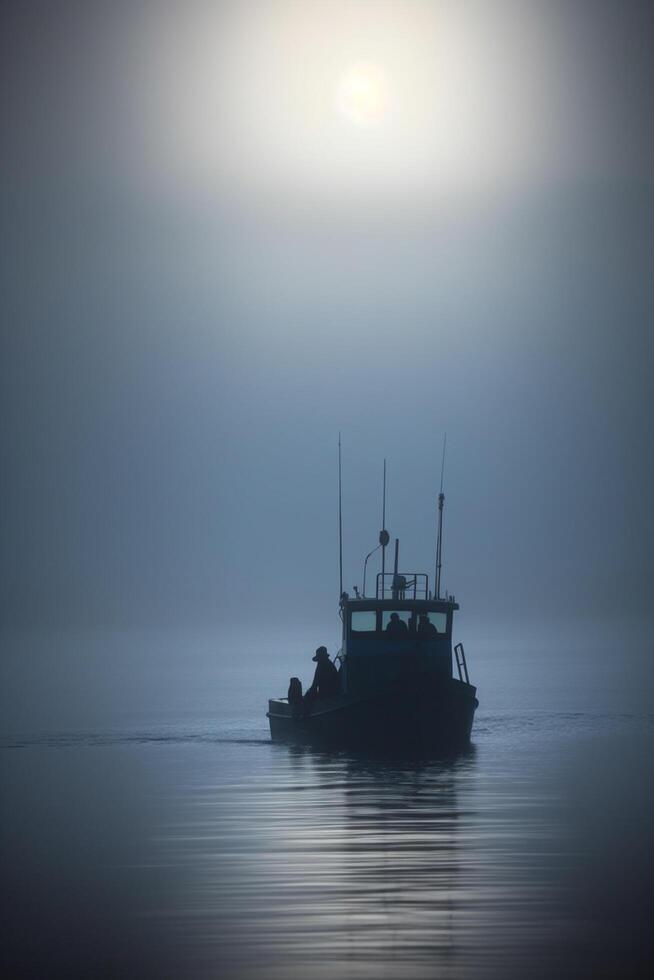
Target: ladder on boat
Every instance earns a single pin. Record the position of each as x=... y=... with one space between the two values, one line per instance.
x=461 y=665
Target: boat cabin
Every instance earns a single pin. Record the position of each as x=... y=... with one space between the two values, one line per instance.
x=401 y=632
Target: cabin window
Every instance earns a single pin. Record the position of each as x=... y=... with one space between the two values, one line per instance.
x=364 y=621
x=437 y=619
x=393 y=616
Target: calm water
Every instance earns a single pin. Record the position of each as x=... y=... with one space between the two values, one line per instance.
x=179 y=842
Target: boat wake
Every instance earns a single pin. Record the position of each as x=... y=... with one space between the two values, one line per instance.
x=99 y=739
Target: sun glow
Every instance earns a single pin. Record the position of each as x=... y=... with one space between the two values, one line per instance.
x=362 y=96
x=340 y=97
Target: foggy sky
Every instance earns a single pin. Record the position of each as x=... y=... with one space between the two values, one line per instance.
x=179 y=352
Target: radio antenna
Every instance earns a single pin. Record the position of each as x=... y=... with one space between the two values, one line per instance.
x=383 y=541
x=439 y=536
x=383 y=534
x=443 y=459
x=340 y=523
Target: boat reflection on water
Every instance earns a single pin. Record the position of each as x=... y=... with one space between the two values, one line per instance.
x=341 y=865
x=401 y=864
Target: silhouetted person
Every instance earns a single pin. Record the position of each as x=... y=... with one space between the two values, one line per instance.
x=396 y=625
x=295 y=692
x=425 y=627
x=413 y=621
x=326 y=682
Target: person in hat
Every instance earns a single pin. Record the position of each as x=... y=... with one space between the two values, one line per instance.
x=326 y=682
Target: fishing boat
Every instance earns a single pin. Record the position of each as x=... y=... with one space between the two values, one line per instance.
x=396 y=676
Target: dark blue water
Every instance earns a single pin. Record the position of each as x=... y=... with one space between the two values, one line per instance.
x=173 y=839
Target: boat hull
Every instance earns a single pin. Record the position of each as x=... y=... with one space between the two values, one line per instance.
x=415 y=719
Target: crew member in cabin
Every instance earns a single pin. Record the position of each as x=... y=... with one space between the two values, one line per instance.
x=326 y=682
x=396 y=625
x=425 y=626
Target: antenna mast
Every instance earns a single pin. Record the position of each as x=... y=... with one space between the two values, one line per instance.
x=383 y=541
x=340 y=523
x=439 y=536
x=383 y=534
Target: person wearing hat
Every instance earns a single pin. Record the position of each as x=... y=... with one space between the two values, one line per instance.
x=326 y=682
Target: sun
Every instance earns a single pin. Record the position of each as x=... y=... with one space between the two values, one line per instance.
x=362 y=95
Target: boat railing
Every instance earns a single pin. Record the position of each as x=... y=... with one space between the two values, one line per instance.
x=461 y=665
x=411 y=585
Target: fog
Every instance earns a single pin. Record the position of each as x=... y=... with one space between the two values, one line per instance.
x=195 y=307
x=231 y=232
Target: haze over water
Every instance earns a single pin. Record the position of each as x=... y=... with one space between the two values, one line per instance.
x=230 y=231
x=179 y=841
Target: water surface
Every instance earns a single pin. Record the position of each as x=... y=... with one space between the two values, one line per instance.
x=185 y=844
